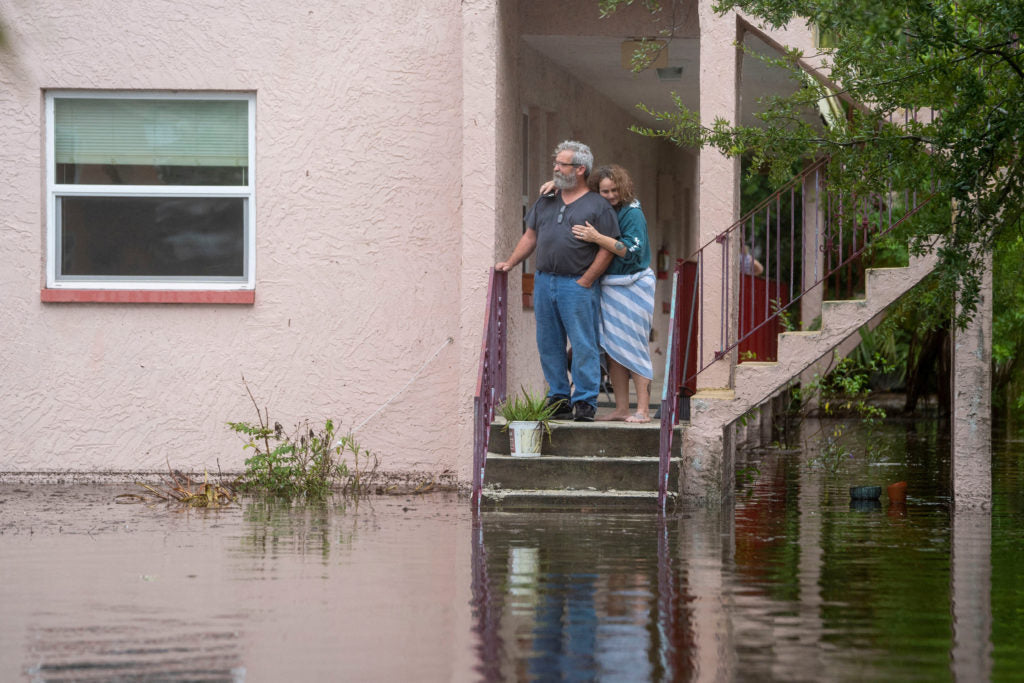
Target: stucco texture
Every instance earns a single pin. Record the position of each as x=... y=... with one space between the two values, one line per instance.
x=358 y=239
x=389 y=177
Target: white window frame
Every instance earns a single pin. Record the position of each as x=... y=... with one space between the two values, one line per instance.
x=99 y=282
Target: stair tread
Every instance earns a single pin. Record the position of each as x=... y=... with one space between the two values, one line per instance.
x=597 y=424
x=570 y=493
x=720 y=394
x=578 y=458
x=536 y=500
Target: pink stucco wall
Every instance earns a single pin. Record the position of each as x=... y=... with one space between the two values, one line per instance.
x=388 y=179
x=359 y=227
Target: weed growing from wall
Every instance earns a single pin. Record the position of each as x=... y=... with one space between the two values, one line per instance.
x=309 y=461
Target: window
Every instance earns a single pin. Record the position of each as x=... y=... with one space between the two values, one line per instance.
x=149 y=192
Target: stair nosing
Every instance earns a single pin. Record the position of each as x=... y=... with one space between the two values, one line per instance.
x=576 y=493
x=577 y=458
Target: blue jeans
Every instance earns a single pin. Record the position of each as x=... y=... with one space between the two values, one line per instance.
x=564 y=309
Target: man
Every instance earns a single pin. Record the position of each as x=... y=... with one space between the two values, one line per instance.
x=566 y=292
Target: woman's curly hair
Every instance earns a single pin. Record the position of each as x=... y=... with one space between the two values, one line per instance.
x=619 y=176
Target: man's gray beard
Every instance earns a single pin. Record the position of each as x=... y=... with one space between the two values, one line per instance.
x=564 y=182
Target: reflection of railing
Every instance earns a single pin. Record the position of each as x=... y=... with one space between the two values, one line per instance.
x=541 y=606
x=487 y=609
x=805 y=236
x=490 y=381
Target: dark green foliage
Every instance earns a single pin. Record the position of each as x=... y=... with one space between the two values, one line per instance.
x=842 y=393
x=1008 y=330
x=306 y=462
x=528 y=406
x=899 y=62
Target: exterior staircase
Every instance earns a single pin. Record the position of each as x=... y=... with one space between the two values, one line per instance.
x=585 y=466
x=616 y=465
x=756 y=382
x=707 y=464
x=613 y=466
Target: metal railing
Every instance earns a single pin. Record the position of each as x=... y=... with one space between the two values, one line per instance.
x=491 y=376
x=670 y=398
x=805 y=236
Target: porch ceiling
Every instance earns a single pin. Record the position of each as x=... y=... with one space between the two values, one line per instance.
x=596 y=61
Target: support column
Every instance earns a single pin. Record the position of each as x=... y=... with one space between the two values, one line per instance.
x=719 y=190
x=813 y=257
x=767 y=418
x=813 y=268
x=490 y=125
x=971 y=466
x=708 y=466
x=743 y=430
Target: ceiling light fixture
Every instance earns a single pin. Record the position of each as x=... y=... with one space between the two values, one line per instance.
x=670 y=73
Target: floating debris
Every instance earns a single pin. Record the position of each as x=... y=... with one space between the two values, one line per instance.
x=181 y=489
x=865 y=492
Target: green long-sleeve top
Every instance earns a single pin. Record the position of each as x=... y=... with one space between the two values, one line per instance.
x=633 y=234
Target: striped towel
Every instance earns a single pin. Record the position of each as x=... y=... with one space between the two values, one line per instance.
x=627 y=309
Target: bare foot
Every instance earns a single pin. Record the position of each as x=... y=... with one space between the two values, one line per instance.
x=639 y=417
x=615 y=416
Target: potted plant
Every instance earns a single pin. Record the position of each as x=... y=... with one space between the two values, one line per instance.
x=527 y=417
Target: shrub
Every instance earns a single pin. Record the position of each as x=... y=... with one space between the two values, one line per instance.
x=307 y=461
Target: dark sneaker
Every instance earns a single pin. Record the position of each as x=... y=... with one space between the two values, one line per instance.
x=584 y=412
x=563 y=411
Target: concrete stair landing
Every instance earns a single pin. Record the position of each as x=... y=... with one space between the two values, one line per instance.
x=584 y=466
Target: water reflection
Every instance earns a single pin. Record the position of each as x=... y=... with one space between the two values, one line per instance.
x=136 y=649
x=796 y=581
x=277 y=527
x=568 y=597
x=785 y=583
x=970 y=588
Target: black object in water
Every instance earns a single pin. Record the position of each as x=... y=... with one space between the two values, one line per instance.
x=865 y=492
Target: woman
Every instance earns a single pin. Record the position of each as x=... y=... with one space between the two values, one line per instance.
x=627 y=294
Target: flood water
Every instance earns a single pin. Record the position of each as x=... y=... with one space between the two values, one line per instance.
x=793 y=582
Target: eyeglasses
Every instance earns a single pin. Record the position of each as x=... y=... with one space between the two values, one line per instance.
x=563 y=163
x=561 y=212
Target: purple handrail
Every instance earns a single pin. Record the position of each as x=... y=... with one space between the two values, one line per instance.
x=491 y=376
x=837 y=225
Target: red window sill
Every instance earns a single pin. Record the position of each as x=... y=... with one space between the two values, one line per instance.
x=146 y=296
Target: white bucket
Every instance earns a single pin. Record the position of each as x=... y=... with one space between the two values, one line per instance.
x=524 y=438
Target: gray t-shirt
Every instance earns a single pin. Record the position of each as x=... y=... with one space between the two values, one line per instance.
x=558 y=251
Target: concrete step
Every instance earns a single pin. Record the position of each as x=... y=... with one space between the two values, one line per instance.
x=585 y=466
x=754 y=383
x=572 y=501
x=594 y=439
x=580 y=473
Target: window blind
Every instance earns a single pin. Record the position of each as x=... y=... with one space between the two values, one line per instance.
x=156 y=132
